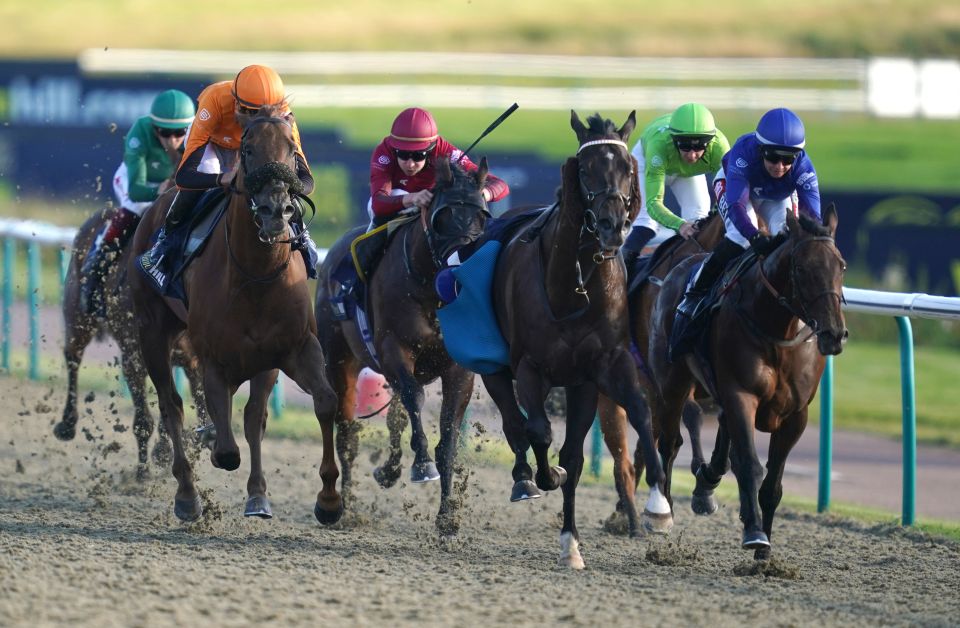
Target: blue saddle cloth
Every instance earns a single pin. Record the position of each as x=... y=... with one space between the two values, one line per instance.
x=469 y=324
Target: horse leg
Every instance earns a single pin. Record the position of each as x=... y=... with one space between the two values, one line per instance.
x=581 y=408
x=136 y=377
x=621 y=384
x=709 y=475
x=388 y=473
x=399 y=364
x=79 y=333
x=307 y=368
x=613 y=424
x=342 y=375
x=457 y=385
x=155 y=343
x=225 y=454
x=532 y=390
x=500 y=388
x=693 y=421
x=771 y=491
x=254 y=427
x=739 y=411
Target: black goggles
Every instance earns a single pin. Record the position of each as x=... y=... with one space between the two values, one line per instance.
x=171 y=132
x=415 y=155
x=247 y=111
x=778 y=156
x=692 y=143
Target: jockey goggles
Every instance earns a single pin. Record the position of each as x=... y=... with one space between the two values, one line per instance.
x=415 y=155
x=775 y=155
x=692 y=143
x=170 y=132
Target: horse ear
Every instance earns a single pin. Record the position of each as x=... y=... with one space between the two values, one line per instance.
x=636 y=201
x=831 y=218
x=482 y=170
x=577 y=126
x=793 y=224
x=628 y=126
x=570 y=190
x=444 y=174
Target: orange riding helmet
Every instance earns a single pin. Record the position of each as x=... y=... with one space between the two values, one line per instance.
x=257 y=86
x=413 y=129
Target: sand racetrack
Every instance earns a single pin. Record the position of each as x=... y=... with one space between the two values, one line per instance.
x=81 y=542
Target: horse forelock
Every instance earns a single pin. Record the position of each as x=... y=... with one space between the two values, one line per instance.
x=599 y=126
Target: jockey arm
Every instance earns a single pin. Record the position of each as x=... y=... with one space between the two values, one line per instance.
x=653 y=184
x=808 y=189
x=135 y=154
x=737 y=199
x=494 y=188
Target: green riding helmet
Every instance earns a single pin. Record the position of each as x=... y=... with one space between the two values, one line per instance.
x=172 y=109
x=692 y=120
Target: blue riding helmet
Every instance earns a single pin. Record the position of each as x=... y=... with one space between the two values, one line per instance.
x=781 y=128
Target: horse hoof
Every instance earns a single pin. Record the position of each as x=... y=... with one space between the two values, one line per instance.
x=258 y=506
x=64 y=432
x=228 y=460
x=524 y=490
x=188 y=510
x=570 y=552
x=755 y=541
x=206 y=435
x=657 y=523
x=327 y=517
x=386 y=476
x=422 y=472
x=703 y=504
x=553 y=479
x=561 y=476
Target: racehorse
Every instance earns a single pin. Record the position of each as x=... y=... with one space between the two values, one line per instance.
x=406 y=335
x=249 y=315
x=560 y=300
x=762 y=359
x=613 y=419
x=81 y=326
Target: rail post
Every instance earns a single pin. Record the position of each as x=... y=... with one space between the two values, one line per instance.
x=9 y=259
x=826 y=436
x=33 y=301
x=596 y=447
x=907 y=391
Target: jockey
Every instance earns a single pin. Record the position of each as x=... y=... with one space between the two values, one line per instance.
x=763 y=173
x=211 y=157
x=402 y=167
x=152 y=150
x=675 y=150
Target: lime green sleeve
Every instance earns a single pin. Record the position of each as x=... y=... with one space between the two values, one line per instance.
x=654 y=180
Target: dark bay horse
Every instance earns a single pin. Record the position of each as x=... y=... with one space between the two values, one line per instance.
x=80 y=327
x=763 y=360
x=613 y=419
x=250 y=315
x=560 y=299
x=406 y=333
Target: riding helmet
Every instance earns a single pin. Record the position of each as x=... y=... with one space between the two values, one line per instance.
x=692 y=120
x=172 y=109
x=257 y=86
x=781 y=128
x=413 y=129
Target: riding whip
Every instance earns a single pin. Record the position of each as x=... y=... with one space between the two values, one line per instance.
x=495 y=124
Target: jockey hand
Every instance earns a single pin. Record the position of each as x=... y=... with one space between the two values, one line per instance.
x=419 y=199
x=487 y=194
x=762 y=243
x=165 y=185
x=227 y=178
x=687 y=230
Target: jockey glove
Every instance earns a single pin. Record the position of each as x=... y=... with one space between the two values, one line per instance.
x=637 y=239
x=763 y=244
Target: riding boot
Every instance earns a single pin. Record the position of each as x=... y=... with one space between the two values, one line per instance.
x=712 y=267
x=182 y=204
x=637 y=239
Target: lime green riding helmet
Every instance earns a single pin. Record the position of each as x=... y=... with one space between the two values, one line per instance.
x=172 y=109
x=692 y=120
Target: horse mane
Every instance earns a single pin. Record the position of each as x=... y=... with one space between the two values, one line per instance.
x=812 y=226
x=598 y=125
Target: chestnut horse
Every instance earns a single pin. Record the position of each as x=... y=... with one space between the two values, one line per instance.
x=762 y=358
x=560 y=300
x=249 y=315
x=80 y=327
x=613 y=419
x=406 y=333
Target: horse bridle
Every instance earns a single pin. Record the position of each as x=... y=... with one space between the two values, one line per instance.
x=440 y=203
x=589 y=215
x=802 y=312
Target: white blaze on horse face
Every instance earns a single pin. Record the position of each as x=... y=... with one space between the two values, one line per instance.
x=570 y=552
x=609 y=155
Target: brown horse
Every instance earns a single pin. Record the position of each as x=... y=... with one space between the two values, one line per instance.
x=249 y=315
x=763 y=358
x=613 y=419
x=406 y=334
x=560 y=299
x=81 y=327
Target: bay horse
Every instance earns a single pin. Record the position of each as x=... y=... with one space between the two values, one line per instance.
x=250 y=315
x=560 y=300
x=80 y=328
x=406 y=334
x=762 y=360
x=613 y=419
